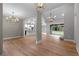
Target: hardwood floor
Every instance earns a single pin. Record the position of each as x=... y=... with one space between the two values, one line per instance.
x=48 y=47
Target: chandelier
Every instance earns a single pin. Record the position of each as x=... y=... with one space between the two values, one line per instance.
x=50 y=18
x=39 y=5
x=12 y=18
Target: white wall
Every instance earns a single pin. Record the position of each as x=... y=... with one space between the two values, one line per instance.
x=12 y=29
x=69 y=21
x=58 y=22
x=1 y=42
x=76 y=32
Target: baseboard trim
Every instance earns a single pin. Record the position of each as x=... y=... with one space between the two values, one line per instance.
x=70 y=40
x=38 y=42
x=8 y=38
x=77 y=50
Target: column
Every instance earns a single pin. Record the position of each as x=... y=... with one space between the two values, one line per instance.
x=39 y=26
x=69 y=21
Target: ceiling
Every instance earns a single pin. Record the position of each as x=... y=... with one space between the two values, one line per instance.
x=21 y=10
x=26 y=10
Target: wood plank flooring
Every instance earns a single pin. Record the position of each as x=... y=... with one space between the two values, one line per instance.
x=48 y=47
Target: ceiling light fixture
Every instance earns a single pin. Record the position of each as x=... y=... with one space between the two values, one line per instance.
x=12 y=18
x=50 y=18
x=39 y=5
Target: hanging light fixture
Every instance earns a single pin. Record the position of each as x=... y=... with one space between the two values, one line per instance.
x=50 y=18
x=12 y=17
x=39 y=5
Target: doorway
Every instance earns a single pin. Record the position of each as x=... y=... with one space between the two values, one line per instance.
x=29 y=27
x=57 y=30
